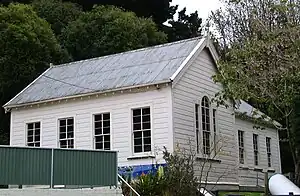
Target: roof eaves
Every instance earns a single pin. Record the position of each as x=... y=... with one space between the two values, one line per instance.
x=5 y=106
x=8 y=107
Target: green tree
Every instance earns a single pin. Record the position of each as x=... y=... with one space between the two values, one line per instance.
x=260 y=46
x=159 y=10
x=7 y=2
x=57 y=13
x=295 y=132
x=107 y=30
x=187 y=26
x=27 y=46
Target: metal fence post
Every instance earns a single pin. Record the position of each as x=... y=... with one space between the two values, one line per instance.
x=52 y=169
x=117 y=179
x=266 y=183
x=131 y=175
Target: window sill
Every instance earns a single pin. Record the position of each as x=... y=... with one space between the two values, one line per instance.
x=146 y=156
x=258 y=169
x=208 y=159
x=244 y=167
x=271 y=170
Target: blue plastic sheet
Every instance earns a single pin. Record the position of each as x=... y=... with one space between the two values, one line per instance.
x=138 y=170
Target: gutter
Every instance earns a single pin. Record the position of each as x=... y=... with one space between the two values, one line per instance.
x=8 y=107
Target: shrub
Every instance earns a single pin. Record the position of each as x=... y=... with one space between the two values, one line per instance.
x=177 y=178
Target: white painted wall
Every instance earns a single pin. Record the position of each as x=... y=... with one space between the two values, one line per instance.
x=248 y=129
x=82 y=110
x=195 y=83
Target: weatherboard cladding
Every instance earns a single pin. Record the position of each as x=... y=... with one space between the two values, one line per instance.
x=143 y=66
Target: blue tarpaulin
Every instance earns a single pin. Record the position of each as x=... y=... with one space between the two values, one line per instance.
x=138 y=170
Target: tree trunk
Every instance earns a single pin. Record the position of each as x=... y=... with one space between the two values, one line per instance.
x=297 y=173
x=294 y=153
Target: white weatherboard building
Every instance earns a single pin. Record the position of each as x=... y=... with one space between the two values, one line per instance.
x=136 y=102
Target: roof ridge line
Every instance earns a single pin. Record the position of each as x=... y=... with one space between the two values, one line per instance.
x=130 y=51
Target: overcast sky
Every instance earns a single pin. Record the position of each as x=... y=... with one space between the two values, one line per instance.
x=204 y=7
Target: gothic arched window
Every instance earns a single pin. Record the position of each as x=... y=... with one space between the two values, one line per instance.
x=205 y=112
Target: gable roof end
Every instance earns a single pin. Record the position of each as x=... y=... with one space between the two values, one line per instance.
x=204 y=43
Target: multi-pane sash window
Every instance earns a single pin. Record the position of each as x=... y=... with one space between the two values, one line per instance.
x=205 y=125
x=66 y=133
x=215 y=128
x=268 y=144
x=102 y=131
x=197 y=126
x=33 y=134
x=255 y=148
x=241 y=147
x=141 y=130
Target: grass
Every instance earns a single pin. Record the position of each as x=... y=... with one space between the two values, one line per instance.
x=241 y=193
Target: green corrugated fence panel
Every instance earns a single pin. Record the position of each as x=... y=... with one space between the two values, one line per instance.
x=28 y=166
x=78 y=167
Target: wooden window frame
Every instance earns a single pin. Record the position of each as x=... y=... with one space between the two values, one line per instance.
x=141 y=120
x=69 y=135
x=36 y=138
x=255 y=149
x=241 y=143
x=269 y=154
x=215 y=129
x=206 y=125
x=99 y=136
x=197 y=127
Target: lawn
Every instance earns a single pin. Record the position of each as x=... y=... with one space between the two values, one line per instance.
x=241 y=193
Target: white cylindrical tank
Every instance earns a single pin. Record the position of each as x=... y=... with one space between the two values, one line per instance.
x=280 y=185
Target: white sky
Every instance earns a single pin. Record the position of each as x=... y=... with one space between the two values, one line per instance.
x=204 y=7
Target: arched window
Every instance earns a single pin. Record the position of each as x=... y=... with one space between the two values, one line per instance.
x=205 y=112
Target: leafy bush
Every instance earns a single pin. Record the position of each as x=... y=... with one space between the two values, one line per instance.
x=177 y=178
x=179 y=174
x=150 y=184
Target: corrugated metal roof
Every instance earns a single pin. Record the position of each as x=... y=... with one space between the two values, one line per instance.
x=245 y=108
x=248 y=110
x=143 y=66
